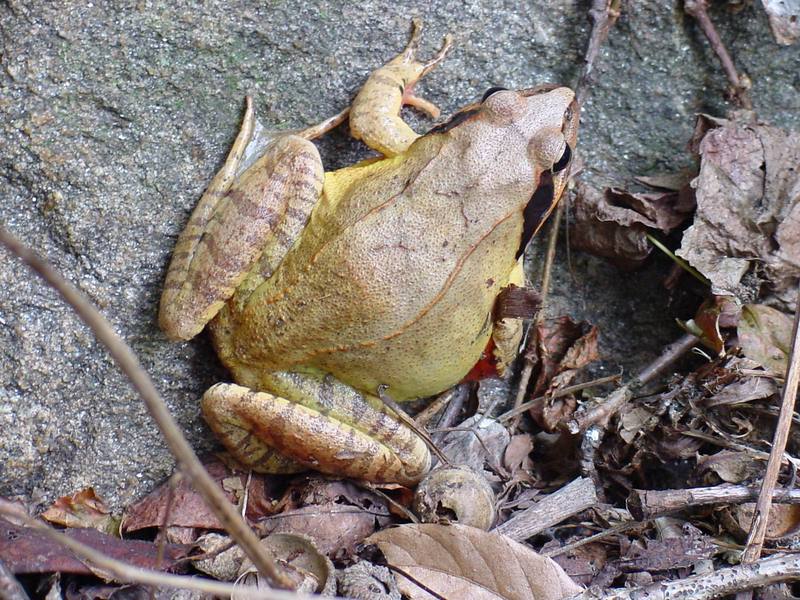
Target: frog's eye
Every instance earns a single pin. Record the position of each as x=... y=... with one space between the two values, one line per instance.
x=562 y=162
x=491 y=91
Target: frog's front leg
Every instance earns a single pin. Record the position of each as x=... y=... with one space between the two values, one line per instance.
x=375 y=112
x=240 y=219
x=315 y=421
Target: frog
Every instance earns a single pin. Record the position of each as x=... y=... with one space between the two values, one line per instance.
x=327 y=294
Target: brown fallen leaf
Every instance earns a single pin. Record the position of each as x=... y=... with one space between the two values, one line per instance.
x=746 y=231
x=765 y=336
x=728 y=466
x=456 y=561
x=612 y=224
x=566 y=347
x=25 y=550
x=336 y=514
x=82 y=509
x=188 y=508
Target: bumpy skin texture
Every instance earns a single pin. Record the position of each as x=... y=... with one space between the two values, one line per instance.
x=391 y=282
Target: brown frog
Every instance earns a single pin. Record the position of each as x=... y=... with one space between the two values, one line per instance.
x=321 y=289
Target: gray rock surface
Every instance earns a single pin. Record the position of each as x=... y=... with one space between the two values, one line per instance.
x=114 y=116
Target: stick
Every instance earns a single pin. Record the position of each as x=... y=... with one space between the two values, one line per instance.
x=761 y=515
x=531 y=347
x=124 y=357
x=648 y=504
x=604 y=14
x=775 y=569
x=614 y=402
x=740 y=84
x=576 y=496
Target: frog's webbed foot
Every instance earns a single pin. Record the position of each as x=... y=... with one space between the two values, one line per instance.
x=353 y=438
x=242 y=220
x=375 y=112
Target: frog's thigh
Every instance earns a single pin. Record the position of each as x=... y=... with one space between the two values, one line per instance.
x=354 y=439
x=269 y=202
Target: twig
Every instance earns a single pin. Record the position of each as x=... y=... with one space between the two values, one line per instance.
x=761 y=515
x=740 y=83
x=576 y=496
x=781 y=567
x=604 y=14
x=531 y=348
x=559 y=393
x=619 y=528
x=119 y=571
x=603 y=411
x=127 y=361
x=10 y=588
x=648 y=504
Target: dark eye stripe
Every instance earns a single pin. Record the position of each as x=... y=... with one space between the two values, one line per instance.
x=491 y=91
x=536 y=209
x=456 y=119
x=564 y=160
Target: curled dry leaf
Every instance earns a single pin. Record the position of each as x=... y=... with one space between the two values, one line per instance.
x=565 y=348
x=82 y=509
x=365 y=581
x=765 y=336
x=612 y=224
x=728 y=466
x=455 y=494
x=784 y=520
x=299 y=558
x=462 y=562
x=746 y=231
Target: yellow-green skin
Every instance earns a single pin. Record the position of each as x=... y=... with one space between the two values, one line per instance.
x=390 y=283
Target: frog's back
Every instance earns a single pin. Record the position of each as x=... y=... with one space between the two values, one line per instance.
x=393 y=279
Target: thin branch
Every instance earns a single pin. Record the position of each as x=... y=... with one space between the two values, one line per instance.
x=604 y=14
x=761 y=515
x=740 y=84
x=531 y=348
x=575 y=497
x=648 y=504
x=781 y=567
x=127 y=361
x=614 y=402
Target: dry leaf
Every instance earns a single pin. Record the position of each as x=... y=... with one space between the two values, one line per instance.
x=188 y=509
x=612 y=224
x=462 y=562
x=336 y=514
x=765 y=336
x=729 y=466
x=82 y=509
x=746 y=230
x=26 y=550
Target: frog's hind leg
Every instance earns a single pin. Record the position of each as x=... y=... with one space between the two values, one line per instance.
x=375 y=112
x=326 y=425
x=239 y=218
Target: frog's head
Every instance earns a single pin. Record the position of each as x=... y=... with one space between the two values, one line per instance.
x=538 y=125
